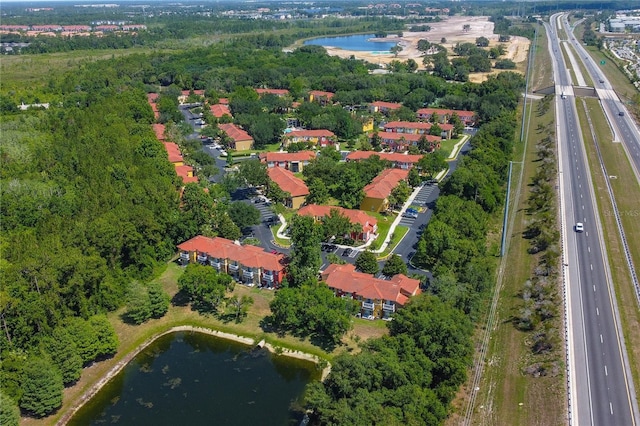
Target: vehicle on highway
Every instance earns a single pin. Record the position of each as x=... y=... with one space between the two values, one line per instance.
x=601 y=81
x=579 y=227
x=621 y=113
x=563 y=96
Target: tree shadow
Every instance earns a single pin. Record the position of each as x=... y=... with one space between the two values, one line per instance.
x=180 y=299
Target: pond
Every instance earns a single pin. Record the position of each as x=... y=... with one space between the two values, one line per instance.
x=360 y=42
x=197 y=379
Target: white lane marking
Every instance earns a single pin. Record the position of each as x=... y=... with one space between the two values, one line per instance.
x=611 y=408
x=589 y=249
x=606 y=372
x=602 y=342
x=594 y=287
x=597 y=311
x=591 y=266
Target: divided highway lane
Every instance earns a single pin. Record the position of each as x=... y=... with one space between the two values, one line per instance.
x=624 y=126
x=599 y=388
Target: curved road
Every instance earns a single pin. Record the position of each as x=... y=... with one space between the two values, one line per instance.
x=600 y=383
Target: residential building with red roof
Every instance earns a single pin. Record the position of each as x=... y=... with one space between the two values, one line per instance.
x=402 y=141
x=173 y=151
x=185 y=173
x=383 y=107
x=397 y=159
x=151 y=98
x=278 y=92
x=240 y=140
x=323 y=98
x=219 y=110
x=379 y=298
x=321 y=137
x=184 y=95
x=418 y=127
x=106 y=28
x=376 y=194
x=368 y=224
x=159 y=129
x=248 y=264
x=444 y=115
x=76 y=28
x=291 y=184
x=223 y=101
x=294 y=161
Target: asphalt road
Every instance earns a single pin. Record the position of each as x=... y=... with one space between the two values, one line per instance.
x=600 y=392
x=623 y=125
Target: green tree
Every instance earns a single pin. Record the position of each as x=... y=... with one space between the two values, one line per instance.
x=9 y=411
x=85 y=338
x=138 y=303
x=400 y=194
x=432 y=163
x=305 y=254
x=253 y=172
x=414 y=177
x=204 y=286
x=367 y=262
x=42 y=387
x=458 y=125
x=435 y=130
x=336 y=225
x=318 y=192
x=239 y=306
x=244 y=215
x=395 y=265
x=482 y=42
x=107 y=339
x=159 y=300
x=64 y=355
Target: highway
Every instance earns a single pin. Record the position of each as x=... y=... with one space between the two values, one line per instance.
x=600 y=385
x=623 y=126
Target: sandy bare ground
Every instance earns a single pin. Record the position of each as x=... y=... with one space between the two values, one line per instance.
x=452 y=30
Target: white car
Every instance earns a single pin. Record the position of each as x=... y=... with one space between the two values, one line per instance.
x=579 y=227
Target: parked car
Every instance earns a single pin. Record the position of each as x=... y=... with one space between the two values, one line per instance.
x=347 y=252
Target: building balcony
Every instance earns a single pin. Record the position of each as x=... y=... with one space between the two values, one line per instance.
x=390 y=307
x=215 y=264
x=234 y=268
x=247 y=273
x=367 y=305
x=184 y=256
x=202 y=258
x=347 y=296
x=268 y=277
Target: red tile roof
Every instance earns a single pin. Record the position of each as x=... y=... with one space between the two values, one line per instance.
x=345 y=278
x=184 y=171
x=395 y=157
x=174 y=152
x=407 y=125
x=221 y=248
x=367 y=222
x=321 y=94
x=288 y=182
x=218 y=110
x=408 y=137
x=223 y=101
x=318 y=133
x=277 y=92
x=386 y=105
x=382 y=185
x=151 y=97
x=234 y=132
x=282 y=157
x=159 y=131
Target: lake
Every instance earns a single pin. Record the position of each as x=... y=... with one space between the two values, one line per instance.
x=197 y=379
x=358 y=42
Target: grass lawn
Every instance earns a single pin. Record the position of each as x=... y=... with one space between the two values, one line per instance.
x=446 y=146
x=398 y=235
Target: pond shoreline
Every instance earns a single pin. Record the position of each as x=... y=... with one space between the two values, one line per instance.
x=228 y=336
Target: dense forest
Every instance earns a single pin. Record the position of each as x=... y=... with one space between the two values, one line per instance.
x=91 y=208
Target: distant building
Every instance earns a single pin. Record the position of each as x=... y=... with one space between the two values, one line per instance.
x=402 y=141
x=321 y=137
x=293 y=161
x=220 y=110
x=384 y=107
x=398 y=160
x=323 y=98
x=173 y=151
x=240 y=140
x=444 y=115
x=277 y=92
x=418 y=127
